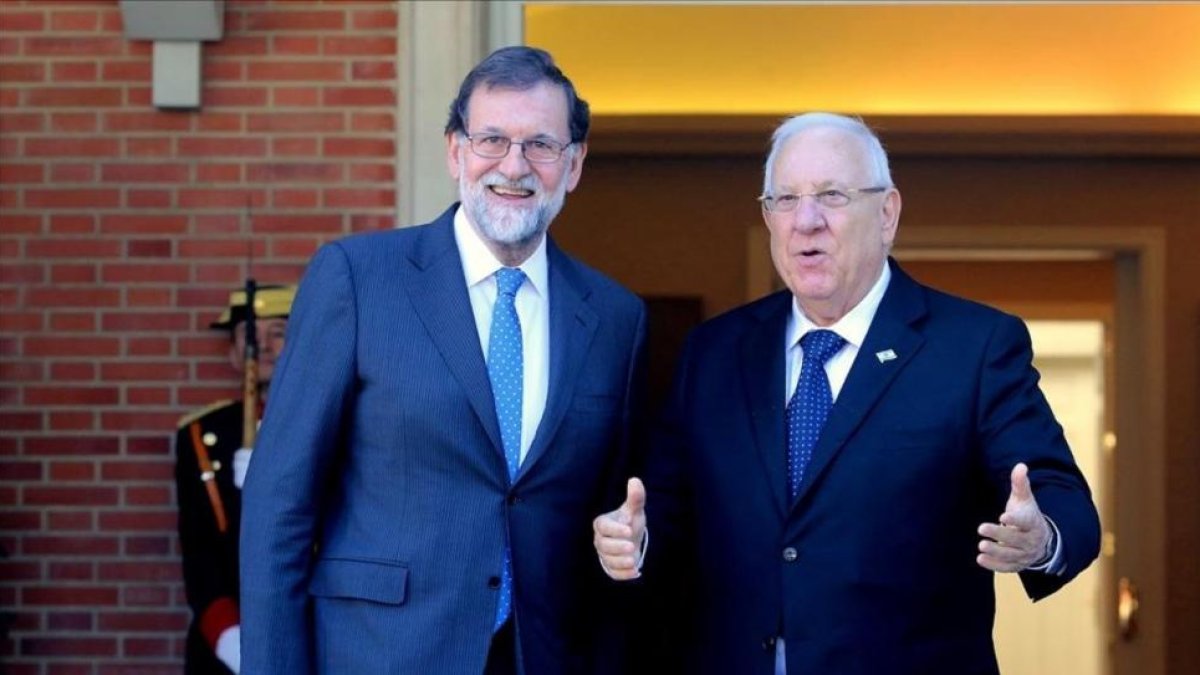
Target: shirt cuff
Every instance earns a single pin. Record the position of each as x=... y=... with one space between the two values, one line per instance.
x=1052 y=562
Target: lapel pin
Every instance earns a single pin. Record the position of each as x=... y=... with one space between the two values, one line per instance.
x=885 y=356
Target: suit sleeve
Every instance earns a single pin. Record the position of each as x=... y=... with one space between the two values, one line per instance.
x=1017 y=425
x=285 y=489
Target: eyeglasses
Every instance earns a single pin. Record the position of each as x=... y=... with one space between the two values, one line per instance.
x=830 y=199
x=538 y=150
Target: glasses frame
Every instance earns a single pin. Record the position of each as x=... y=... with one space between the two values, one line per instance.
x=767 y=200
x=562 y=147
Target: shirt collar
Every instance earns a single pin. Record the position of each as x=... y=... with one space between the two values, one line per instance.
x=479 y=264
x=852 y=327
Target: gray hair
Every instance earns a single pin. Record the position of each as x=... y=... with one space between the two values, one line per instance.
x=881 y=174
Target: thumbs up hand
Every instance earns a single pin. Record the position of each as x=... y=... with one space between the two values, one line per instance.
x=1022 y=537
x=618 y=535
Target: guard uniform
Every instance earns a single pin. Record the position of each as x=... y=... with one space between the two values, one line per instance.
x=210 y=503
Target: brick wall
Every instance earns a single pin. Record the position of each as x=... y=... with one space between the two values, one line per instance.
x=122 y=229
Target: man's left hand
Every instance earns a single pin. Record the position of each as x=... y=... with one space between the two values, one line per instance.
x=1021 y=538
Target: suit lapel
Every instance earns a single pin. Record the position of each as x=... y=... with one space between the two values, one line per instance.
x=892 y=329
x=761 y=355
x=440 y=298
x=572 y=327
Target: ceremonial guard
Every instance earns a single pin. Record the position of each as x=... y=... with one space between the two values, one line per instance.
x=213 y=447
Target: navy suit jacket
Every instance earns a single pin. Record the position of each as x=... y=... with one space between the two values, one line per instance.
x=378 y=502
x=872 y=568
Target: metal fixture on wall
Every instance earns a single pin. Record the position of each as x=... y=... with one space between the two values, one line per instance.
x=177 y=28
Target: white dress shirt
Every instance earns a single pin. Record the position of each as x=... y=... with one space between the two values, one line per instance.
x=533 y=311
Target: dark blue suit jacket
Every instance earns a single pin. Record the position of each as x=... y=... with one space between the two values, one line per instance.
x=377 y=503
x=872 y=569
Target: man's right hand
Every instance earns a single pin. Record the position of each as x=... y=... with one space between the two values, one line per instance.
x=618 y=534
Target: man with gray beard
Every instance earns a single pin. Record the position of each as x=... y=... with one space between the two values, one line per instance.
x=452 y=408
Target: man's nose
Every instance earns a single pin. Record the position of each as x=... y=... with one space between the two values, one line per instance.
x=514 y=165
x=809 y=215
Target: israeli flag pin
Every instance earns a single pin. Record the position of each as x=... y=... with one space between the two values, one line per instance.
x=885 y=356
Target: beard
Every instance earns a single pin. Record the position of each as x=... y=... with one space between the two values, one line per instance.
x=510 y=225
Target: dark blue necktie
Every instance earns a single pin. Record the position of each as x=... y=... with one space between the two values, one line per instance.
x=809 y=407
x=506 y=370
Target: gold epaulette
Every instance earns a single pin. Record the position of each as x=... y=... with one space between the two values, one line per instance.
x=201 y=412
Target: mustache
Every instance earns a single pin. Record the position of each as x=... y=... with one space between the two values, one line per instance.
x=495 y=178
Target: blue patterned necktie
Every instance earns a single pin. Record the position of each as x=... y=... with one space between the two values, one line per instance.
x=506 y=370
x=809 y=407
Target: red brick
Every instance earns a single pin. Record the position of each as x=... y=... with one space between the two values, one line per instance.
x=77 y=545
x=126 y=71
x=138 y=272
x=298 y=223
x=74 y=122
x=68 y=646
x=148 y=346
x=137 y=495
x=72 y=173
x=295 y=45
x=74 y=71
x=68 y=471
x=71 y=147
x=72 y=198
x=218 y=71
x=73 y=97
x=140 y=521
x=9 y=46
x=72 y=571
x=21 y=173
x=374 y=19
x=219 y=173
x=294 y=147
x=138 y=421
x=72 y=445
x=220 y=122
x=145 y=596
x=293 y=199
x=296 y=71
x=71 y=396
x=372 y=173
x=23 y=224
x=366 y=222
x=277 y=122
x=277 y=20
x=74 y=46
x=236 y=45
x=225 y=198
x=143 y=621
x=149 y=248
x=280 y=270
x=364 y=121
x=148 y=147
x=69 y=621
x=381 y=96
x=146 y=121
x=229 y=275
x=295 y=96
x=72 y=346
x=72 y=274
x=20 y=471
x=57 y=296
x=17 y=21
x=148 y=199
x=21 y=122
x=138 y=97
x=72 y=322
x=21 y=371
x=126 y=223
x=359 y=45
x=122 y=371
x=22 y=274
x=71 y=370
x=72 y=420
x=77 y=223
x=222 y=147
x=145 y=647
x=72 y=21
x=22 y=72
x=306 y=172
x=221 y=248
x=19 y=571
x=234 y=96
x=358 y=198
x=141 y=396
x=358 y=147
x=139 y=321
x=144 y=173
x=218 y=223
x=157 y=444
x=69 y=496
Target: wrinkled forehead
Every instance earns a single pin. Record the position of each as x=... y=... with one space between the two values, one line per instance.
x=823 y=156
x=541 y=107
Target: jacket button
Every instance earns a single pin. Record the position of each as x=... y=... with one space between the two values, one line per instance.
x=493 y=582
x=768 y=644
x=789 y=554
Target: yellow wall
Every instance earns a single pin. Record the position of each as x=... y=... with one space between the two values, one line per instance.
x=958 y=59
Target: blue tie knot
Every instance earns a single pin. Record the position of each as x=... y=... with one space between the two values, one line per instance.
x=820 y=345
x=508 y=280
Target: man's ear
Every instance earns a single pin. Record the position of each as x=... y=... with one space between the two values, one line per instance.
x=891 y=215
x=454 y=154
x=575 y=168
